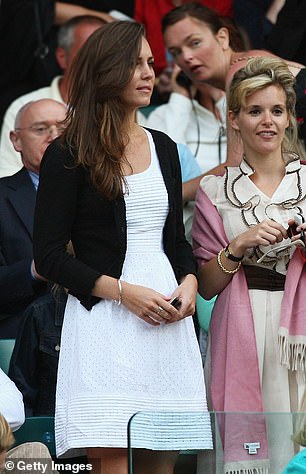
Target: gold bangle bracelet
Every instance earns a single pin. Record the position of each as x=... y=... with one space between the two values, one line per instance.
x=225 y=270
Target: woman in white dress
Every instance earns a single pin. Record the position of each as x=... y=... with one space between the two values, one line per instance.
x=258 y=331
x=114 y=189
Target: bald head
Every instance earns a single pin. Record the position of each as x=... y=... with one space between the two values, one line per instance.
x=37 y=123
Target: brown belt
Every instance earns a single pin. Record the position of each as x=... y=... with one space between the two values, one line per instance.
x=259 y=278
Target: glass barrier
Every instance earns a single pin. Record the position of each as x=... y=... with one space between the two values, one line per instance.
x=242 y=443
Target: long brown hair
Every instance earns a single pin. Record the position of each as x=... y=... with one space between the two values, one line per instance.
x=100 y=72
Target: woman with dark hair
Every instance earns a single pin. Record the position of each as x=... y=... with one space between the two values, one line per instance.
x=114 y=189
x=150 y=14
x=202 y=46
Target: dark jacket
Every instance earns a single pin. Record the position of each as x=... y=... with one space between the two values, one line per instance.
x=287 y=38
x=34 y=361
x=17 y=288
x=70 y=208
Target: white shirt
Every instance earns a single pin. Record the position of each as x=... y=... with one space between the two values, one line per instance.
x=178 y=118
x=10 y=160
x=11 y=402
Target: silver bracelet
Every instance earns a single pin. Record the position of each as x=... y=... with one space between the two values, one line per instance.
x=118 y=303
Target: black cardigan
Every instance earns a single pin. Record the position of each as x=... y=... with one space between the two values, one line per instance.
x=68 y=207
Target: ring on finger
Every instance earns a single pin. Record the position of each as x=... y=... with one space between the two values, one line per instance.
x=160 y=310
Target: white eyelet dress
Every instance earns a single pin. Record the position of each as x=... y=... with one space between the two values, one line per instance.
x=113 y=364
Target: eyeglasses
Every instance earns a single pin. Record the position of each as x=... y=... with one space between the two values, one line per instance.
x=43 y=130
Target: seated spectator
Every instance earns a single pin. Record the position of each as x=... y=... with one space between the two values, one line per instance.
x=11 y=404
x=11 y=418
x=6 y=440
x=36 y=125
x=108 y=10
x=66 y=10
x=34 y=360
x=215 y=59
x=22 y=456
x=194 y=116
x=150 y=14
x=34 y=65
x=71 y=36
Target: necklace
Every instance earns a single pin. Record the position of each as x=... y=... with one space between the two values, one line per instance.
x=242 y=58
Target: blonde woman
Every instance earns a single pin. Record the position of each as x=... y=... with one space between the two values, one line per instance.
x=6 y=440
x=241 y=241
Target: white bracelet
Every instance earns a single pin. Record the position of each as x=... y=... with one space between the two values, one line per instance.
x=118 y=303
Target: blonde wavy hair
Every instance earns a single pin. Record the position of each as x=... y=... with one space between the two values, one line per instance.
x=6 y=435
x=259 y=73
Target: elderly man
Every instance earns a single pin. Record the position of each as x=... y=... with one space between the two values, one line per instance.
x=36 y=125
x=71 y=36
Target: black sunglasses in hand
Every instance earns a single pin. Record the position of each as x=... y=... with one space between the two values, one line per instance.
x=298 y=220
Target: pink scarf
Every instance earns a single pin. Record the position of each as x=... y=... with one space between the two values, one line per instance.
x=235 y=379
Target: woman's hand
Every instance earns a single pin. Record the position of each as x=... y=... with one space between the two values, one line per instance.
x=213 y=279
x=187 y=294
x=149 y=305
x=265 y=233
x=176 y=87
x=298 y=229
